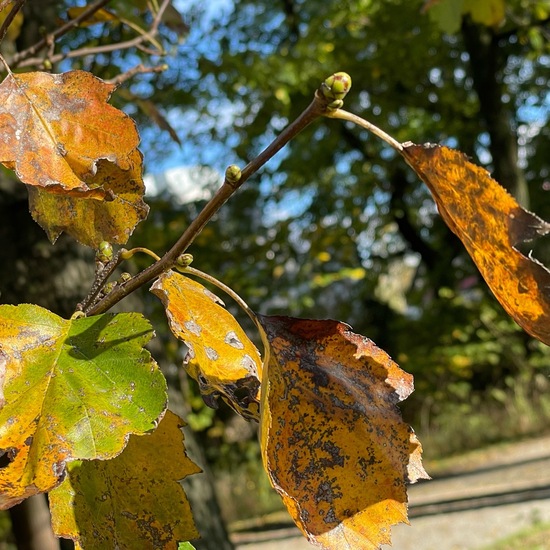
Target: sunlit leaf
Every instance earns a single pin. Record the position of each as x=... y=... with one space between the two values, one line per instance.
x=99 y=16
x=56 y=127
x=73 y=390
x=491 y=224
x=333 y=441
x=490 y=13
x=90 y=221
x=221 y=357
x=132 y=501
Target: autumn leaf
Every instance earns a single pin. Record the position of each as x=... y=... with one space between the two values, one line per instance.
x=333 y=441
x=73 y=390
x=90 y=221
x=221 y=357
x=55 y=128
x=132 y=501
x=490 y=224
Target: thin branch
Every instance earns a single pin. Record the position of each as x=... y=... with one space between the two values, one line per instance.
x=64 y=29
x=233 y=180
x=100 y=280
x=138 y=69
x=24 y=59
x=10 y=17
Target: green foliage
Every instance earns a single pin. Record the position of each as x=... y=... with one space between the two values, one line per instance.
x=344 y=230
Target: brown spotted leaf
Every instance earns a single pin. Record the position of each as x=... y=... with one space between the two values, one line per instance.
x=333 y=440
x=490 y=223
x=220 y=355
x=54 y=128
x=134 y=500
x=91 y=221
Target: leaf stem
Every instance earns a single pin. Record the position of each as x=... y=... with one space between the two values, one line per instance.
x=350 y=117
x=230 y=292
x=232 y=181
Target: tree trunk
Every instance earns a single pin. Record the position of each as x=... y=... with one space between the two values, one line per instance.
x=487 y=63
x=31 y=525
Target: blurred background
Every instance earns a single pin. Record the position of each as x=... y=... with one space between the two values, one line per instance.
x=336 y=225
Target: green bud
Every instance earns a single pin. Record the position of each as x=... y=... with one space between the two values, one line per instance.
x=104 y=252
x=183 y=261
x=336 y=86
x=109 y=287
x=125 y=276
x=233 y=174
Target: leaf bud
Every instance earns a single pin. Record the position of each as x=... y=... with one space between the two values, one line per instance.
x=109 y=287
x=104 y=252
x=183 y=261
x=124 y=276
x=336 y=86
x=233 y=174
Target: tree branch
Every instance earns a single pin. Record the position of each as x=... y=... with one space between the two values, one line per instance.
x=234 y=179
x=10 y=17
x=24 y=59
x=50 y=38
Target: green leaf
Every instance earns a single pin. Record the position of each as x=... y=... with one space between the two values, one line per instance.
x=72 y=390
x=132 y=501
x=446 y=14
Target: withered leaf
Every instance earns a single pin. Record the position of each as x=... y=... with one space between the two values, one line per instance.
x=221 y=357
x=91 y=221
x=333 y=441
x=490 y=223
x=134 y=500
x=54 y=128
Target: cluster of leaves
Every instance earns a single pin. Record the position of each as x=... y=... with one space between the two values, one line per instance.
x=84 y=406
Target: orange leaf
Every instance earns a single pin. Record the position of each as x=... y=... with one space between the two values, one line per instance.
x=90 y=221
x=490 y=223
x=56 y=127
x=221 y=357
x=333 y=441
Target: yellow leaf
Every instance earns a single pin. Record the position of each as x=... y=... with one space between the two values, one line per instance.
x=333 y=441
x=490 y=223
x=221 y=357
x=91 y=221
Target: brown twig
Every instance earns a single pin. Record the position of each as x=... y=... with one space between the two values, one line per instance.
x=24 y=59
x=138 y=69
x=10 y=17
x=99 y=282
x=64 y=29
x=232 y=182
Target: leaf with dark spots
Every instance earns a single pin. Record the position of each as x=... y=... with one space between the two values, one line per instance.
x=333 y=441
x=132 y=501
x=221 y=357
x=491 y=225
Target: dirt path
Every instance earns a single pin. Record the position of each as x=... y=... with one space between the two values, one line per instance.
x=484 y=497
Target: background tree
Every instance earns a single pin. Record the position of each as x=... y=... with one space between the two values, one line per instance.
x=338 y=225
x=341 y=228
